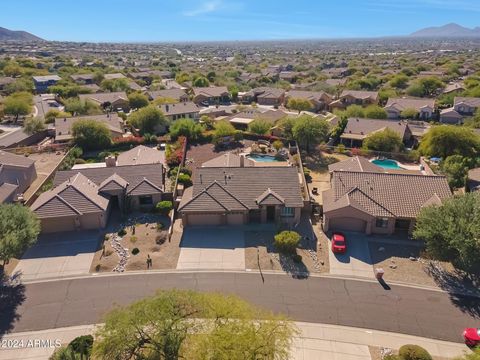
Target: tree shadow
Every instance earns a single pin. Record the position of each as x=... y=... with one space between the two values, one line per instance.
x=12 y=294
x=462 y=287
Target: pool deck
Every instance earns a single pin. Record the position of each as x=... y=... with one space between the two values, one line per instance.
x=405 y=168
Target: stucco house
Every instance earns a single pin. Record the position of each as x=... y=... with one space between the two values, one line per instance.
x=111 y=100
x=17 y=173
x=264 y=96
x=42 y=83
x=462 y=107
x=473 y=179
x=181 y=110
x=178 y=95
x=424 y=107
x=63 y=126
x=82 y=199
x=375 y=201
x=241 y=195
x=358 y=129
x=319 y=99
x=357 y=97
x=211 y=95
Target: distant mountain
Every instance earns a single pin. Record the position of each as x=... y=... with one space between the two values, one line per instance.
x=6 y=34
x=449 y=30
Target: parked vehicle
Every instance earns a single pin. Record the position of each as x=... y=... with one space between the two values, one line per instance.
x=472 y=336
x=339 y=243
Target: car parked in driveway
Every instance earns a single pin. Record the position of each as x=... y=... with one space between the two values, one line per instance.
x=472 y=336
x=339 y=244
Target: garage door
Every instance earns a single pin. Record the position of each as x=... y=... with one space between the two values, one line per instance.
x=235 y=219
x=57 y=225
x=347 y=224
x=204 y=219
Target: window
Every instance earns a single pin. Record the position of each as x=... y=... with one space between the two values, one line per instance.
x=288 y=211
x=381 y=223
x=146 y=200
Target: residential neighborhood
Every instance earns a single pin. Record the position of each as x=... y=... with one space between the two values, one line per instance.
x=240 y=199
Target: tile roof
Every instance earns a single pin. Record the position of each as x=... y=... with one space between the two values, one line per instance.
x=247 y=184
x=356 y=163
x=6 y=191
x=134 y=174
x=46 y=78
x=410 y=103
x=141 y=155
x=363 y=127
x=77 y=195
x=10 y=159
x=114 y=76
x=102 y=98
x=179 y=108
x=228 y=159
x=373 y=95
x=470 y=101
x=63 y=126
x=176 y=94
x=308 y=95
x=215 y=91
x=384 y=194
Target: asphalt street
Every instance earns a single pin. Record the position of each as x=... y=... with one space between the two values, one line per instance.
x=327 y=300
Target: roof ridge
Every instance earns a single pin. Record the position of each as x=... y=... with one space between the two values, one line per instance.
x=84 y=195
x=389 y=173
x=370 y=198
x=57 y=196
x=228 y=192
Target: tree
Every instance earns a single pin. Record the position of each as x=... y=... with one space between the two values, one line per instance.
x=186 y=127
x=456 y=168
x=384 y=141
x=51 y=115
x=409 y=113
x=375 y=112
x=76 y=106
x=91 y=135
x=185 y=324
x=354 y=111
x=33 y=125
x=114 y=85
x=446 y=140
x=287 y=241
x=451 y=230
x=201 y=81
x=259 y=126
x=428 y=86
x=310 y=131
x=19 y=228
x=20 y=85
x=286 y=125
x=299 y=104
x=222 y=129
x=164 y=207
x=137 y=100
x=148 y=120
x=472 y=356
x=208 y=121
x=413 y=352
x=18 y=104
x=399 y=81
x=473 y=122
x=164 y=100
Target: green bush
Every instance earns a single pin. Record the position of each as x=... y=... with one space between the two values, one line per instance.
x=287 y=242
x=164 y=207
x=122 y=232
x=391 y=357
x=135 y=251
x=185 y=179
x=413 y=352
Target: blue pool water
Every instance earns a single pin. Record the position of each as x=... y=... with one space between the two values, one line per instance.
x=262 y=158
x=387 y=164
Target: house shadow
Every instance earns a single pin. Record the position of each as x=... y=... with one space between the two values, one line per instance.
x=215 y=237
x=461 y=286
x=12 y=295
x=298 y=270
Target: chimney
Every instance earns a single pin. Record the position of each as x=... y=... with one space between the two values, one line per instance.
x=110 y=161
x=242 y=161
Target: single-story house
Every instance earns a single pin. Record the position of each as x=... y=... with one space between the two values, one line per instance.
x=243 y=119
x=84 y=79
x=358 y=129
x=178 y=95
x=141 y=155
x=63 y=126
x=264 y=96
x=82 y=199
x=424 y=107
x=319 y=99
x=113 y=100
x=379 y=202
x=211 y=95
x=473 y=179
x=462 y=107
x=229 y=159
x=357 y=97
x=181 y=110
x=17 y=173
x=42 y=83
x=114 y=76
x=241 y=195
x=454 y=87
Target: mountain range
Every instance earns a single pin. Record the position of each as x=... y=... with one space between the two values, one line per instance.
x=448 y=30
x=6 y=34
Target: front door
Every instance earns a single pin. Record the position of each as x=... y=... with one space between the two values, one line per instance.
x=270 y=213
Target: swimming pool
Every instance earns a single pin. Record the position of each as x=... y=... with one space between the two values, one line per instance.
x=262 y=158
x=387 y=164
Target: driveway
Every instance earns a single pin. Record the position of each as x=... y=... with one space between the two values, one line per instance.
x=356 y=261
x=59 y=255
x=212 y=248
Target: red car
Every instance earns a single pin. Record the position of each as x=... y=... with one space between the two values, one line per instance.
x=339 y=244
x=472 y=336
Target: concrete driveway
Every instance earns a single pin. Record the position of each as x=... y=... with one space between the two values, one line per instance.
x=219 y=248
x=356 y=261
x=59 y=255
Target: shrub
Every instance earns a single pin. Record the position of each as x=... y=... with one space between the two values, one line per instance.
x=161 y=238
x=159 y=226
x=287 y=241
x=164 y=207
x=122 y=232
x=185 y=179
x=79 y=161
x=391 y=357
x=277 y=144
x=413 y=352
x=135 y=251
x=133 y=239
x=82 y=345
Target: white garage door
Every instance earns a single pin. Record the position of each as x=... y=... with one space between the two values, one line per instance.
x=204 y=219
x=347 y=224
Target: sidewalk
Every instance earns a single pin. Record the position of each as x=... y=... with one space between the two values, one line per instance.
x=317 y=342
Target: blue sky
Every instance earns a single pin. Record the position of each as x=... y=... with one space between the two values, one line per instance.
x=197 y=20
